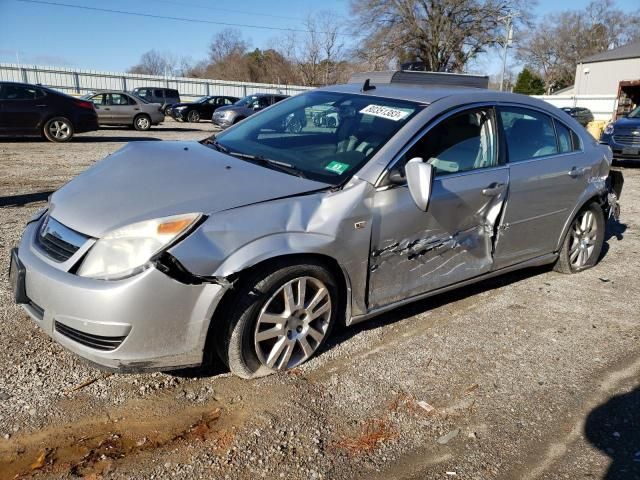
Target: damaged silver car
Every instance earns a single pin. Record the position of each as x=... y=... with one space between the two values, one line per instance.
x=252 y=245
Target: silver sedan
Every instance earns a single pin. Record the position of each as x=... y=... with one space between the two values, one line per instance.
x=120 y=108
x=253 y=244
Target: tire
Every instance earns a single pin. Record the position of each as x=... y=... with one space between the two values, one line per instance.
x=583 y=243
x=263 y=333
x=193 y=116
x=142 y=122
x=58 y=129
x=294 y=126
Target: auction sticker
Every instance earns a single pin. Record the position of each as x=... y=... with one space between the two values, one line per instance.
x=389 y=113
x=337 y=167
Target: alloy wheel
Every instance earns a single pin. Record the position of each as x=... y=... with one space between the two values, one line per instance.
x=584 y=233
x=194 y=116
x=60 y=130
x=293 y=323
x=142 y=123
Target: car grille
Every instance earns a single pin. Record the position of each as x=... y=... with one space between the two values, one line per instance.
x=631 y=140
x=57 y=241
x=89 y=340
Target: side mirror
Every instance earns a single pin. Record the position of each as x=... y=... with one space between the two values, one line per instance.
x=419 y=180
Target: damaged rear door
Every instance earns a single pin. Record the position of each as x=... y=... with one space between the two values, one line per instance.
x=412 y=251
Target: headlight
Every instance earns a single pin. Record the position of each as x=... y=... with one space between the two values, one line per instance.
x=227 y=114
x=608 y=130
x=127 y=250
x=181 y=108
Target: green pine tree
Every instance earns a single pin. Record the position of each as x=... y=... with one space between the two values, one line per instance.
x=529 y=83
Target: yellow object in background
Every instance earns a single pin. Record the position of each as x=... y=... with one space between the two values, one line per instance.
x=595 y=128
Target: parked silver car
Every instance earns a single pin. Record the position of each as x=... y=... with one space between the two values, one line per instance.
x=120 y=108
x=254 y=244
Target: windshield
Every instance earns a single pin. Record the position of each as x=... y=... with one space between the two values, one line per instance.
x=243 y=102
x=324 y=136
x=201 y=100
x=635 y=113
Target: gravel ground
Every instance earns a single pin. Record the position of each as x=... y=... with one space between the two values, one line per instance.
x=531 y=375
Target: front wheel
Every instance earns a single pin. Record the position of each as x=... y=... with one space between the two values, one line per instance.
x=279 y=320
x=58 y=129
x=194 y=116
x=583 y=244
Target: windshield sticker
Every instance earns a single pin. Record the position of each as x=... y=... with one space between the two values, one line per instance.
x=337 y=167
x=389 y=113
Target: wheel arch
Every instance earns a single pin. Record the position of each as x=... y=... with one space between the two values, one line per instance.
x=588 y=198
x=333 y=266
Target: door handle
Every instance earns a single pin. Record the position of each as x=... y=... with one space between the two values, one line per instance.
x=107 y=108
x=576 y=172
x=494 y=189
x=136 y=108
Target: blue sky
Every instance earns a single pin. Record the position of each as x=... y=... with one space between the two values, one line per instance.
x=62 y=36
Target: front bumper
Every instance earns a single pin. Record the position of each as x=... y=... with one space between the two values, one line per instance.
x=621 y=151
x=221 y=122
x=161 y=322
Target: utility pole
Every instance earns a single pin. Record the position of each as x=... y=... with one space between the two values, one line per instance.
x=507 y=41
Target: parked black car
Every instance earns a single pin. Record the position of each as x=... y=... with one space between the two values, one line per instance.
x=167 y=97
x=582 y=115
x=201 y=108
x=36 y=110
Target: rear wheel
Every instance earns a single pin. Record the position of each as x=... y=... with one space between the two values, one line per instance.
x=194 y=116
x=280 y=318
x=58 y=129
x=583 y=243
x=142 y=122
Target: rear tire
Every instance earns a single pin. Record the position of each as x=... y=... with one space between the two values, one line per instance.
x=142 y=122
x=279 y=318
x=583 y=243
x=58 y=129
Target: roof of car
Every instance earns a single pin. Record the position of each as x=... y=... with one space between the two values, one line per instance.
x=426 y=94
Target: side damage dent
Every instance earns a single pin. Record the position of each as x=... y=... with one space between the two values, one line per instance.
x=435 y=253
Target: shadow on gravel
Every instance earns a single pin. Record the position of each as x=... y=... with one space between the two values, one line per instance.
x=24 y=199
x=614 y=428
x=421 y=306
x=613 y=229
x=626 y=163
x=80 y=138
x=154 y=129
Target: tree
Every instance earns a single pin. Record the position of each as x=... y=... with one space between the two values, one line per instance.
x=156 y=63
x=444 y=34
x=561 y=40
x=153 y=63
x=529 y=83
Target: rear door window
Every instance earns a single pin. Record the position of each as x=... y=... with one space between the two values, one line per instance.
x=529 y=133
x=568 y=140
x=158 y=93
x=20 y=92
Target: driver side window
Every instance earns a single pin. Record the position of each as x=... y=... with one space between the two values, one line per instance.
x=463 y=142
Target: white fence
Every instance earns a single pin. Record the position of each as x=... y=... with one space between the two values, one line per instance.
x=76 y=81
x=603 y=107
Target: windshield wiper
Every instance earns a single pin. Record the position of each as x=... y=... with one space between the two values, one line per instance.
x=215 y=144
x=278 y=165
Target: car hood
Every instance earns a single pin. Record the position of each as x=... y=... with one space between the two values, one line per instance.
x=229 y=107
x=146 y=180
x=627 y=122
